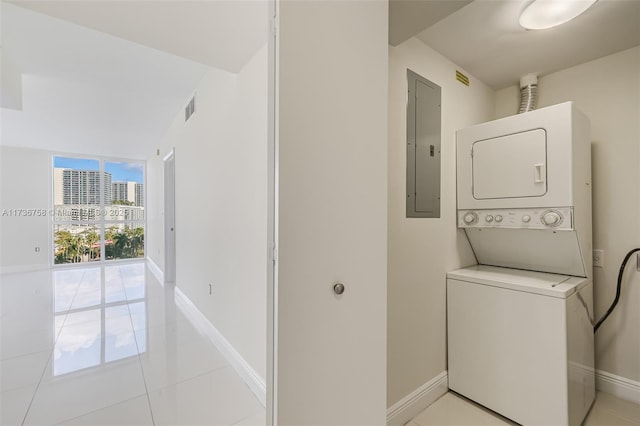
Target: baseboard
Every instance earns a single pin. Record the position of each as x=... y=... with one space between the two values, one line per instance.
x=617 y=386
x=242 y=367
x=416 y=402
x=155 y=270
x=23 y=268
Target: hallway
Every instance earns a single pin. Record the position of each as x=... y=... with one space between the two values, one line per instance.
x=107 y=345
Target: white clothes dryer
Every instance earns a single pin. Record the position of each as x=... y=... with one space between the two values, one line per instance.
x=524 y=190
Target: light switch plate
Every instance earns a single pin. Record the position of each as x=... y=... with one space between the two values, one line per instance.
x=598 y=258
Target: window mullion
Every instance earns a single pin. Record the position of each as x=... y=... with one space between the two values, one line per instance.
x=102 y=212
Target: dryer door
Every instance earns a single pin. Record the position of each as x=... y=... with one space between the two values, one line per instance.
x=510 y=166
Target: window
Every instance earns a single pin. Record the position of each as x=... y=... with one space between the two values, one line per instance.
x=98 y=210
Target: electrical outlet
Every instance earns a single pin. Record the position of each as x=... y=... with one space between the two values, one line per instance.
x=598 y=258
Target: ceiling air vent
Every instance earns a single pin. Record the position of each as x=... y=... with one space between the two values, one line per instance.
x=190 y=109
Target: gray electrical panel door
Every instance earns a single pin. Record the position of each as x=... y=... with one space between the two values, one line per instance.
x=423 y=147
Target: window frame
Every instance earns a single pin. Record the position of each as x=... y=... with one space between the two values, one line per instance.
x=101 y=223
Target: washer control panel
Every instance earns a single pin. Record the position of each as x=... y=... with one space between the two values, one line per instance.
x=544 y=218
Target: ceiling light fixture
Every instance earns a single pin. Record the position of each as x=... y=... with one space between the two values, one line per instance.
x=543 y=14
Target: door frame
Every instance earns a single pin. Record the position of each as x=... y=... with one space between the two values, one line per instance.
x=169 y=214
x=272 y=213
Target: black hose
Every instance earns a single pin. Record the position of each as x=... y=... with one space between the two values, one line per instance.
x=615 y=301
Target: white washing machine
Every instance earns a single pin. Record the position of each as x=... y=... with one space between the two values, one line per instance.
x=520 y=324
x=521 y=343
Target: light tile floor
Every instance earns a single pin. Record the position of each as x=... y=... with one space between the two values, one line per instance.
x=453 y=410
x=105 y=345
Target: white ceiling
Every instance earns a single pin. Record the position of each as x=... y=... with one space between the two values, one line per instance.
x=109 y=76
x=409 y=17
x=223 y=34
x=485 y=39
x=89 y=89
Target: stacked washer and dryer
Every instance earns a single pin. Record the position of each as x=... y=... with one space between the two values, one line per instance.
x=520 y=323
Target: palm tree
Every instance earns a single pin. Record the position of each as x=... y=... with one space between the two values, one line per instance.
x=137 y=241
x=121 y=245
x=81 y=246
x=72 y=247
x=63 y=243
x=91 y=237
x=109 y=239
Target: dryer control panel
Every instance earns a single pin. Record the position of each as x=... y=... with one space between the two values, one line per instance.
x=560 y=218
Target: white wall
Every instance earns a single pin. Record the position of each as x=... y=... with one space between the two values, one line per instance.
x=422 y=250
x=154 y=235
x=10 y=82
x=221 y=205
x=607 y=90
x=25 y=182
x=332 y=212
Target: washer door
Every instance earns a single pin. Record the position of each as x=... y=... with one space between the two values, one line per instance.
x=511 y=166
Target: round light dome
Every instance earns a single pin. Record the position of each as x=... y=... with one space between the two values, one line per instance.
x=543 y=14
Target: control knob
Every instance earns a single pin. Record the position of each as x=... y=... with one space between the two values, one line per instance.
x=489 y=218
x=551 y=218
x=498 y=218
x=526 y=218
x=470 y=218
